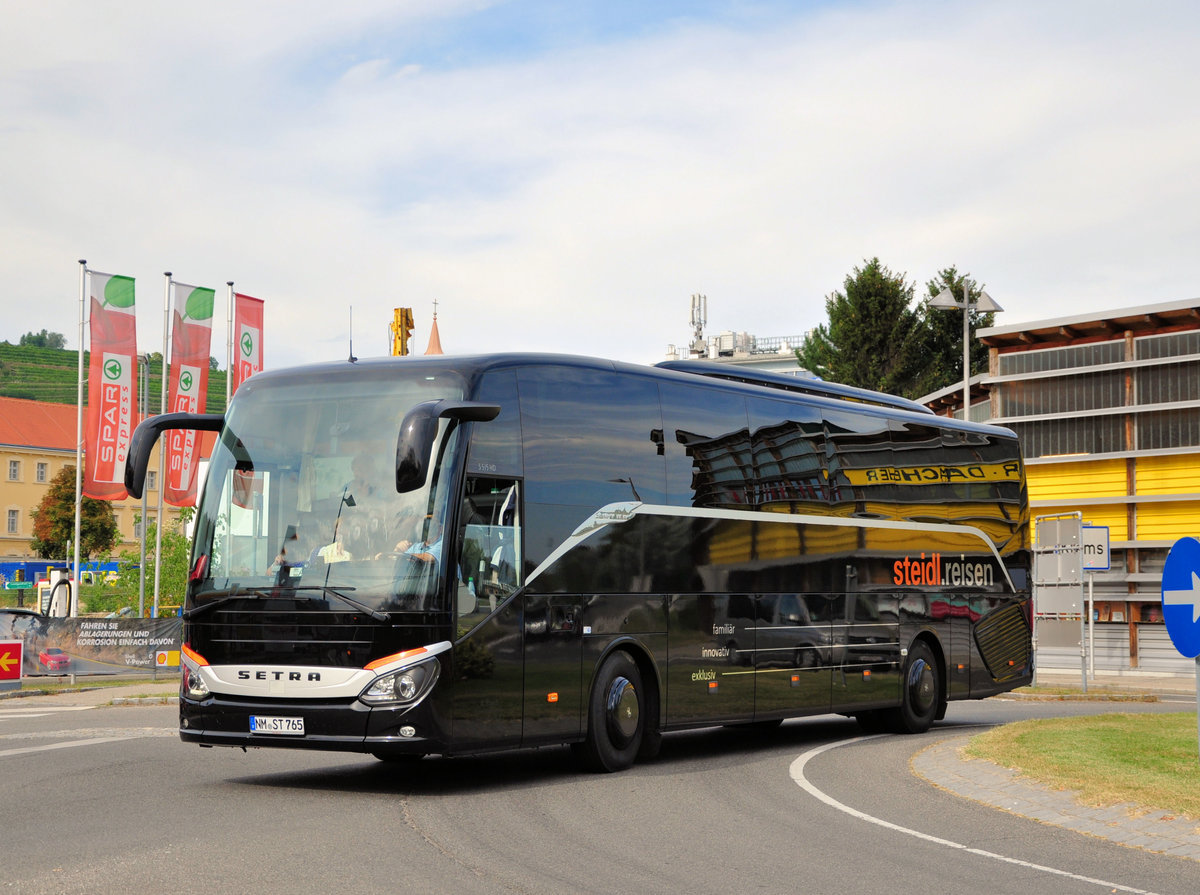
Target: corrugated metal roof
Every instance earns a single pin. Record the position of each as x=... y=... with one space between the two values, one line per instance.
x=1100 y=325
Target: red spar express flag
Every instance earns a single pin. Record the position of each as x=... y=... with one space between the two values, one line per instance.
x=112 y=385
x=247 y=328
x=191 y=334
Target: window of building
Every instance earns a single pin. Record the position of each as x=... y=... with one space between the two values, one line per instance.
x=1042 y=360
x=42 y=471
x=14 y=522
x=151 y=480
x=14 y=470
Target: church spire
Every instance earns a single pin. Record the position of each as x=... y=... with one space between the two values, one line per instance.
x=435 y=339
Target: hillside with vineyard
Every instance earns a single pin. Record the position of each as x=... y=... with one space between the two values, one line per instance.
x=50 y=374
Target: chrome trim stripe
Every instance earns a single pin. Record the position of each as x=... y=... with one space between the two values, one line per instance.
x=617 y=513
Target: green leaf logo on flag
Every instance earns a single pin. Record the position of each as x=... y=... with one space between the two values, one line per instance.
x=247 y=344
x=185 y=381
x=199 y=304
x=118 y=292
x=112 y=369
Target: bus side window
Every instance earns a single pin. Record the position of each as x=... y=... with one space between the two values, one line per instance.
x=489 y=563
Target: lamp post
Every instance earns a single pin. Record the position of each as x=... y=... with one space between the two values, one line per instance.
x=946 y=300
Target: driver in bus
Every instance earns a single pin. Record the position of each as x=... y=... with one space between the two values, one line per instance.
x=335 y=551
x=429 y=548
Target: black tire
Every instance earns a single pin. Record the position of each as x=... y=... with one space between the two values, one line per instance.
x=616 y=716
x=921 y=691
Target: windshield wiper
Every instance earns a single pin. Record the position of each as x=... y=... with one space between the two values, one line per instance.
x=206 y=607
x=295 y=593
x=349 y=601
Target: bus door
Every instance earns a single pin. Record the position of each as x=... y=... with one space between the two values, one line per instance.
x=489 y=660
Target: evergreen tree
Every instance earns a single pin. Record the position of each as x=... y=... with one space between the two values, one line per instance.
x=54 y=521
x=873 y=339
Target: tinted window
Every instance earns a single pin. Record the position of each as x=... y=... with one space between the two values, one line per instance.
x=789 y=454
x=707 y=447
x=496 y=445
x=592 y=437
x=856 y=444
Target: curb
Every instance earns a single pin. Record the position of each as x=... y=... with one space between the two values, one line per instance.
x=986 y=783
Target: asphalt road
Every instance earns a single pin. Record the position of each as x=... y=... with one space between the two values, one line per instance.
x=108 y=800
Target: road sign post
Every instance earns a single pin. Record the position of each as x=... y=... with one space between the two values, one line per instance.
x=1058 y=579
x=1096 y=558
x=1181 y=604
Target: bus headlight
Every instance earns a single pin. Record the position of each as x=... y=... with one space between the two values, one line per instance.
x=407 y=685
x=193 y=685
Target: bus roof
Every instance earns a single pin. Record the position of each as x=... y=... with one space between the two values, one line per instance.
x=763 y=384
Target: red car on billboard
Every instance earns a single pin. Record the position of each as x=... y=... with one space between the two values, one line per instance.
x=54 y=659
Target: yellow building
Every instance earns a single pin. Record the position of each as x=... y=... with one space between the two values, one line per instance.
x=37 y=439
x=1107 y=408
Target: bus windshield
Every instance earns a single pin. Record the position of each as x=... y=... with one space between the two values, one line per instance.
x=301 y=502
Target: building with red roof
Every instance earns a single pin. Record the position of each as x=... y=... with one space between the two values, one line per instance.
x=37 y=440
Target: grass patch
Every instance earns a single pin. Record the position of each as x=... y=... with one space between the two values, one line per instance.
x=64 y=685
x=1149 y=760
x=1107 y=694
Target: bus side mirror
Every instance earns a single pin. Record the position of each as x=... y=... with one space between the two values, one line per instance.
x=418 y=430
x=146 y=434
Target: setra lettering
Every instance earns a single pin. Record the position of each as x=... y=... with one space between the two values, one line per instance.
x=299 y=676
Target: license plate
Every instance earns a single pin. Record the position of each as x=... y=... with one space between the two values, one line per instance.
x=280 y=726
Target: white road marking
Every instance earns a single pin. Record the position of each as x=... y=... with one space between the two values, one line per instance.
x=797 y=773
x=42 y=710
x=67 y=745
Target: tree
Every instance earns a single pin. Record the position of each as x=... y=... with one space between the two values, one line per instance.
x=173 y=561
x=873 y=339
x=44 y=339
x=943 y=335
x=54 y=521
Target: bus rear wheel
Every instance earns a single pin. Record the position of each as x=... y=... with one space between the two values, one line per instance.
x=615 y=716
x=922 y=691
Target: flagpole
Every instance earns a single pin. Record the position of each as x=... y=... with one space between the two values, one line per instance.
x=74 y=588
x=162 y=448
x=229 y=348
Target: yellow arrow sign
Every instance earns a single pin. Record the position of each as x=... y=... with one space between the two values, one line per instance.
x=6 y=661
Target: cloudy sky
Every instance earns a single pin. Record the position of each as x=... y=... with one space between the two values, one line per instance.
x=562 y=176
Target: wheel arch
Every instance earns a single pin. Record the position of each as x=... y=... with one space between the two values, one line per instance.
x=647 y=667
x=930 y=639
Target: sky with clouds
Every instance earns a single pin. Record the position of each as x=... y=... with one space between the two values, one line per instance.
x=564 y=176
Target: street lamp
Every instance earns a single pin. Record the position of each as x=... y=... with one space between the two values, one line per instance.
x=947 y=300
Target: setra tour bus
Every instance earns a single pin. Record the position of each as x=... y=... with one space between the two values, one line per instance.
x=447 y=555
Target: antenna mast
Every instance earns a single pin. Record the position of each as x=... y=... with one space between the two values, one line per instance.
x=699 y=321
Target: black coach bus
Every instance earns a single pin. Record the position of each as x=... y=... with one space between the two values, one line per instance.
x=412 y=556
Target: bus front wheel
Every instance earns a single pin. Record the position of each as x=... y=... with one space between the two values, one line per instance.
x=615 y=716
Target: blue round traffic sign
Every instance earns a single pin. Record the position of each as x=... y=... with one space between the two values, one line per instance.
x=1181 y=596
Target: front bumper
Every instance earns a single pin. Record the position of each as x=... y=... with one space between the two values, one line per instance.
x=341 y=726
